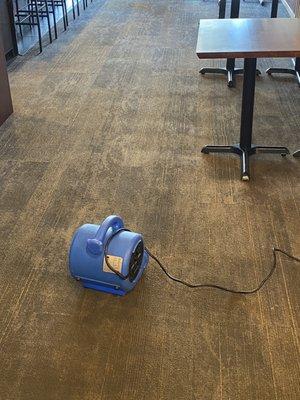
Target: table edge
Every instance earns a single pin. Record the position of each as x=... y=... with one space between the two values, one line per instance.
x=248 y=54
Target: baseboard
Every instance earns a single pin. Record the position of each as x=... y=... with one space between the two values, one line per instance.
x=288 y=8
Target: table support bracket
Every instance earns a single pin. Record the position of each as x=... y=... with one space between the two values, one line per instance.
x=295 y=71
x=230 y=72
x=244 y=154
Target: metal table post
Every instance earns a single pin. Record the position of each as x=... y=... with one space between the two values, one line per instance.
x=244 y=149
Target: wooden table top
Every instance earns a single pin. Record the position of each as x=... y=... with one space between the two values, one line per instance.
x=249 y=38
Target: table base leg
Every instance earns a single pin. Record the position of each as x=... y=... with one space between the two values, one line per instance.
x=230 y=73
x=295 y=71
x=297 y=153
x=244 y=154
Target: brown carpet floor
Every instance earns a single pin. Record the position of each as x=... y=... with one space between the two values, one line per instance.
x=111 y=118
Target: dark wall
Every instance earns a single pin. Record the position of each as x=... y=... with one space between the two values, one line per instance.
x=7 y=30
x=5 y=97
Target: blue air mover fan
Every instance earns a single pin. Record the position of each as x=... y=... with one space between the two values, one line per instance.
x=112 y=259
x=108 y=257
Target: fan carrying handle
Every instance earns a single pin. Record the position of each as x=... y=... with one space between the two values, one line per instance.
x=96 y=245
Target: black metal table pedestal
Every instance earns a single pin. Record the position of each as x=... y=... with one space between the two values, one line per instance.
x=245 y=149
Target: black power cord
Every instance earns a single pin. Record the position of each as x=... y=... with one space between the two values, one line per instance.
x=275 y=250
x=213 y=286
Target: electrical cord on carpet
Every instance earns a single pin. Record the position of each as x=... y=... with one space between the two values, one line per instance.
x=275 y=250
x=214 y=286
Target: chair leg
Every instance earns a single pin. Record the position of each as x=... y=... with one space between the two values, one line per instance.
x=29 y=9
x=48 y=20
x=18 y=18
x=54 y=18
x=38 y=25
x=78 y=9
x=20 y=28
x=64 y=15
x=73 y=9
x=66 y=11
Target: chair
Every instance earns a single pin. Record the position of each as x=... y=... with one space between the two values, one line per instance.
x=30 y=14
x=51 y=10
x=63 y=5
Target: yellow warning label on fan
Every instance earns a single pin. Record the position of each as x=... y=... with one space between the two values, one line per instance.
x=115 y=262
